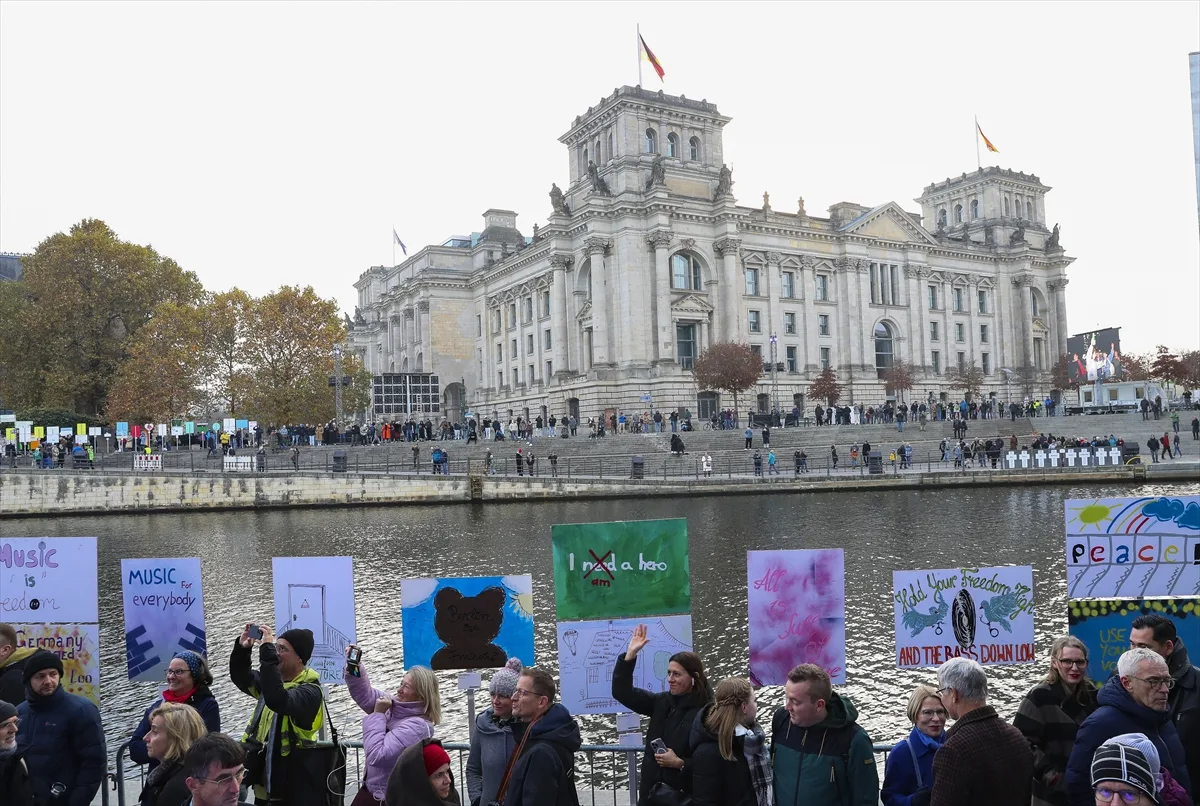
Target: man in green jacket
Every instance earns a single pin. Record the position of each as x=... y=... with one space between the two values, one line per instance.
x=819 y=754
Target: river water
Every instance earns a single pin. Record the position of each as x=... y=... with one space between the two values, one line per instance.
x=879 y=532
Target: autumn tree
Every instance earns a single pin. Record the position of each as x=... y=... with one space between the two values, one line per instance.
x=728 y=367
x=1166 y=367
x=1062 y=373
x=826 y=387
x=967 y=377
x=898 y=378
x=1136 y=366
x=227 y=325
x=161 y=378
x=1189 y=361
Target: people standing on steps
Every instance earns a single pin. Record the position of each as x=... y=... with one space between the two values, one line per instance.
x=492 y=742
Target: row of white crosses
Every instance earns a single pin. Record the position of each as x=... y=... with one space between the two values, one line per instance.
x=1065 y=458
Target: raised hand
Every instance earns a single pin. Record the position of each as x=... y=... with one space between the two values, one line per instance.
x=637 y=642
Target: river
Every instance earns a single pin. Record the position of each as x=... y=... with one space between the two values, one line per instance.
x=879 y=532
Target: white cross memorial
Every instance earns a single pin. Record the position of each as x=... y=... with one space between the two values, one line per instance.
x=1040 y=458
x=1084 y=455
x=1054 y=458
x=1010 y=459
x=1115 y=453
x=1024 y=460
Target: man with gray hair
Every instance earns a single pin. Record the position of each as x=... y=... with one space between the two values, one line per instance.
x=1132 y=701
x=985 y=761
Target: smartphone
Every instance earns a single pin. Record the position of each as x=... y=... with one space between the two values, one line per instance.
x=353 y=656
x=255 y=632
x=658 y=746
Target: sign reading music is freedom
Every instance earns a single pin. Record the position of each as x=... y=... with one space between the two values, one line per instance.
x=1133 y=547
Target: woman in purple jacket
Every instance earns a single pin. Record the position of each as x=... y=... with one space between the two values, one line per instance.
x=392 y=723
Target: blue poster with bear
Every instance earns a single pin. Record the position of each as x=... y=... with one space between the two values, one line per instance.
x=467 y=622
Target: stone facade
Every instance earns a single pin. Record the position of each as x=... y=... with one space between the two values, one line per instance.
x=647 y=258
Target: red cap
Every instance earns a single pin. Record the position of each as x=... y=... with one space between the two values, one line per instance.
x=435 y=758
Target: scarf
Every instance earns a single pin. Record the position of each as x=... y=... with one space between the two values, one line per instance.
x=758 y=758
x=158 y=777
x=170 y=696
x=503 y=721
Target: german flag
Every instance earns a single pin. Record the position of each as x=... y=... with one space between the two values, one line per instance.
x=650 y=57
x=986 y=141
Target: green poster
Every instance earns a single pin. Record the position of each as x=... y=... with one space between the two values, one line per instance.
x=621 y=570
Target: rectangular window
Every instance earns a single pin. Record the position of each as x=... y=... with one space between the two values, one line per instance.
x=499 y=378
x=756 y=349
x=529 y=344
x=986 y=361
x=1087 y=395
x=685 y=345
x=549 y=369
x=933 y=331
x=752 y=282
x=983 y=306
x=983 y=334
x=545 y=303
x=791 y=359
x=789 y=323
x=822 y=324
x=933 y=297
x=529 y=309
x=512 y=315
x=755 y=324
x=959 y=332
x=478 y=324
x=1114 y=394
x=530 y=378
x=499 y=353
x=787 y=287
x=935 y=361
x=825 y=358
x=822 y=288
x=546 y=344
x=516 y=373
x=513 y=349
x=962 y=361
x=958 y=300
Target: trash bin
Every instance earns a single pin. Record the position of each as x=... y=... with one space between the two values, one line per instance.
x=637 y=469
x=875 y=463
x=1130 y=454
x=339 y=461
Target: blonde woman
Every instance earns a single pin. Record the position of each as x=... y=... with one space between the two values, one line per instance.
x=731 y=765
x=173 y=728
x=392 y=724
x=908 y=774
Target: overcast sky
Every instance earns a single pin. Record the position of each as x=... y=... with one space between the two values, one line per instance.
x=272 y=143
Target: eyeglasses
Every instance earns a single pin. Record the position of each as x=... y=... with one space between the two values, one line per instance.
x=941 y=691
x=227 y=779
x=1157 y=682
x=1079 y=664
x=523 y=693
x=177 y=672
x=1107 y=795
x=930 y=713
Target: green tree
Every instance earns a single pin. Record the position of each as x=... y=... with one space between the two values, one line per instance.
x=898 y=378
x=826 y=388
x=728 y=367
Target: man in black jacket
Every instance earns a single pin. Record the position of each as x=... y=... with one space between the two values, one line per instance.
x=1157 y=633
x=15 y=787
x=59 y=736
x=547 y=737
x=12 y=666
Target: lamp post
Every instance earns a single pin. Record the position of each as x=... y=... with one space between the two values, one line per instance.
x=337 y=382
x=774 y=377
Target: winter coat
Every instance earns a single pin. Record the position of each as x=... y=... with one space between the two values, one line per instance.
x=408 y=784
x=491 y=747
x=1185 y=710
x=1120 y=713
x=1049 y=718
x=166 y=786
x=715 y=781
x=831 y=763
x=671 y=718
x=984 y=762
x=201 y=699
x=12 y=683
x=901 y=777
x=62 y=742
x=544 y=774
x=15 y=787
x=385 y=736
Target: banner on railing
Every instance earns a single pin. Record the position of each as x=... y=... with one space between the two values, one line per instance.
x=164 y=613
x=467 y=622
x=143 y=461
x=238 y=464
x=317 y=593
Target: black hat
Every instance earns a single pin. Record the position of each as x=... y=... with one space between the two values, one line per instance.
x=1128 y=765
x=7 y=711
x=40 y=661
x=301 y=641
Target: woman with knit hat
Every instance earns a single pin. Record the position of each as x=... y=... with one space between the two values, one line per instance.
x=422 y=777
x=188 y=682
x=492 y=741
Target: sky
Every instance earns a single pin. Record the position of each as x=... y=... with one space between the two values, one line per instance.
x=263 y=144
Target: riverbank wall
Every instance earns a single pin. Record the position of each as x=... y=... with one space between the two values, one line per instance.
x=81 y=493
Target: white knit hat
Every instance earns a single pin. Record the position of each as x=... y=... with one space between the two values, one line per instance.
x=1142 y=742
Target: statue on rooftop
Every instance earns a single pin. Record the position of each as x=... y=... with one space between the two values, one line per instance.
x=557 y=201
x=724 y=183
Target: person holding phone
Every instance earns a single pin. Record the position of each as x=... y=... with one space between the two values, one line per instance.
x=392 y=722
x=671 y=713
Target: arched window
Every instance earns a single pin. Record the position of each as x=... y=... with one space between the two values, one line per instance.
x=612 y=152
x=585 y=157
x=1029 y=209
x=883 y=348
x=685 y=273
x=597 y=152
x=694 y=149
x=958 y=219
x=942 y=217
x=1034 y=305
x=672 y=145
x=974 y=208
x=651 y=141
x=1006 y=206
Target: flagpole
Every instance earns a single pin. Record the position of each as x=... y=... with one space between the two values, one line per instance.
x=978 y=161
x=393 y=246
x=639 y=53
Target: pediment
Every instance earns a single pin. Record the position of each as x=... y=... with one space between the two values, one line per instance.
x=585 y=312
x=691 y=304
x=888 y=222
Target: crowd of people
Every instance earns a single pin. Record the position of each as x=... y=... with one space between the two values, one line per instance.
x=1134 y=741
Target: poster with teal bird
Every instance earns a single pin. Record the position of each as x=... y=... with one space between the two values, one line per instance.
x=467 y=622
x=1133 y=547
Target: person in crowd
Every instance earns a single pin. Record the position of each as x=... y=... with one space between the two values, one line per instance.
x=908 y=773
x=1132 y=701
x=1050 y=715
x=289 y=707
x=541 y=771
x=173 y=728
x=492 y=742
x=59 y=735
x=16 y=789
x=984 y=760
x=214 y=766
x=1169 y=792
x=1157 y=633
x=188 y=681
x=819 y=752
x=422 y=777
x=12 y=665
x=1121 y=776
x=392 y=723
x=732 y=765
x=671 y=713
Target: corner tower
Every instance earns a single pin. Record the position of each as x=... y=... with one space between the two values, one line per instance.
x=987 y=205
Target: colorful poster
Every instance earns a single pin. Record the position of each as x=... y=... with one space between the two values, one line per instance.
x=317 y=593
x=81 y=429
x=1133 y=547
x=621 y=569
x=467 y=622
x=588 y=651
x=50 y=579
x=1104 y=625
x=164 y=613
x=122 y=429
x=797 y=607
x=985 y=614
x=77 y=645
x=189 y=427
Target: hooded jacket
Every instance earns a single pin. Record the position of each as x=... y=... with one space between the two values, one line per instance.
x=1185 y=710
x=491 y=747
x=12 y=683
x=831 y=763
x=544 y=773
x=715 y=781
x=201 y=699
x=62 y=742
x=409 y=785
x=15 y=787
x=385 y=736
x=1120 y=713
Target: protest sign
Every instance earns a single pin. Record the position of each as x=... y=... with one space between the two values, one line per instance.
x=467 y=622
x=50 y=579
x=76 y=645
x=797 y=613
x=317 y=594
x=1104 y=626
x=164 y=613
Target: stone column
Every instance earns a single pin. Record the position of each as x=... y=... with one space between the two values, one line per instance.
x=976 y=347
x=1025 y=326
x=858 y=330
x=949 y=346
x=664 y=346
x=489 y=345
x=409 y=336
x=426 y=333
x=703 y=337
x=1059 y=288
x=560 y=265
x=774 y=311
x=597 y=249
x=729 y=306
x=808 y=286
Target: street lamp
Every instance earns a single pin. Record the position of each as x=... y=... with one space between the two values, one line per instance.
x=337 y=382
x=774 y=377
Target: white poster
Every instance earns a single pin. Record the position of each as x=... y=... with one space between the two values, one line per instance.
x=50 y=579
x=317 y=593
x=164 y=613
x=985 y=614
x=588 y=651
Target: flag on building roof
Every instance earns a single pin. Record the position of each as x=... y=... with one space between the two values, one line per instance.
x=986 y=141
x=650 y=57
x=404 y=248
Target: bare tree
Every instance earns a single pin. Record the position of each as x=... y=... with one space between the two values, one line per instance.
x=899 y=378
x=968 y=377
x=728 y=367
x=826 y=387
